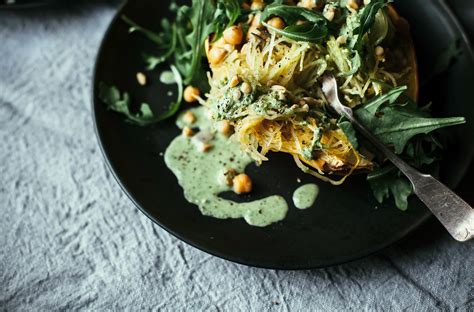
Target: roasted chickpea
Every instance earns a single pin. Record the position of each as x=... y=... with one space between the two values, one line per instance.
x=310 y=4
x=189 y=118
x=341 y=40
x=257 y=5
x=353 y=4
x=217 y=55
x=228 y=176
x=234 y=82
x=233 y=35
x=329 y=12
x=187 y=132
x=379 y=51
x=242 y=184
x=191 y=94
x=205 y=147
x=246 y=88
x=224 y=127
x=276 y=22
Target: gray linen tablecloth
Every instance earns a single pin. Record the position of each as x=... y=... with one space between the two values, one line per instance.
x=70 y=239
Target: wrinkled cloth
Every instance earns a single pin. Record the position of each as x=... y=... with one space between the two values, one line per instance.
x=71 y=240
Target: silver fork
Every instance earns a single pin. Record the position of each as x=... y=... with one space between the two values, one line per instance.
x=453 y=212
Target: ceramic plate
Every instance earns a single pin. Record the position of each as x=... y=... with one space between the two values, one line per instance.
x=346 y=222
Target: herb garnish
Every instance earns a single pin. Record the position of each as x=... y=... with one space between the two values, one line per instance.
x=403 y=126
x=313 y=30
x=120 y=103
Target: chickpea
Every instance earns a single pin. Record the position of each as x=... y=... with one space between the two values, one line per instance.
x=229 y=47
x=379 y=51
x=242 y=184
x=234 y=81
x=246 y=88
x=341 y=40
x=191 y=94
x=310 y=4
x=187 y=132
x=220 y=43
x=236 y=94
x=217 y=55
x=353 y=4
x=189 y=118
x=224 y=127
x=329 y=13
x=228 y=176
x=233 y=35
x=257 y=5
x=205 y=147
x=276 y=22
x=141 y=78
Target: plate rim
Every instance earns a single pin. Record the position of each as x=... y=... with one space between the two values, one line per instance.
x=453 y=20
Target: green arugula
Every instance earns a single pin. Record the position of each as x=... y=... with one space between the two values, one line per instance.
x=358 y=26
x=445 y=60
x=314 y=30
x=367 y=20
x=201 y=16
x=391 y=183
x=395 y=124
x=406 y=128
x=349 y=131
x=120 y=103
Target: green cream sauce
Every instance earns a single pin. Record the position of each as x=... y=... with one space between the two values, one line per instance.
x=200 y=176
x=167 y=77
x=305 y=196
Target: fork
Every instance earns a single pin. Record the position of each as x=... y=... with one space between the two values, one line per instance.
x=451 y=210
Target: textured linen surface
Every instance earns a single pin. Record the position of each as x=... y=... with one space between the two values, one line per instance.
x=70 y=239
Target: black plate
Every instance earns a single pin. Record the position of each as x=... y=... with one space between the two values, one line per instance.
x=346 y=223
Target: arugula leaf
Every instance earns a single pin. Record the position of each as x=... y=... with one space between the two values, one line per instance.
x=446 y=59
x=166 y=40
x=367 y=20
x=201 y=17
x=232 y=10
x=121 y=103
x=313 y=31
x=174 y=107
x=357 y=25
x=349 y=131
x=391 y=183
x=396 y=124
x=399 y=122
x=388 y=180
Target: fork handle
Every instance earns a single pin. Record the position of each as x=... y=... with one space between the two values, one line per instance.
x=451 y=210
